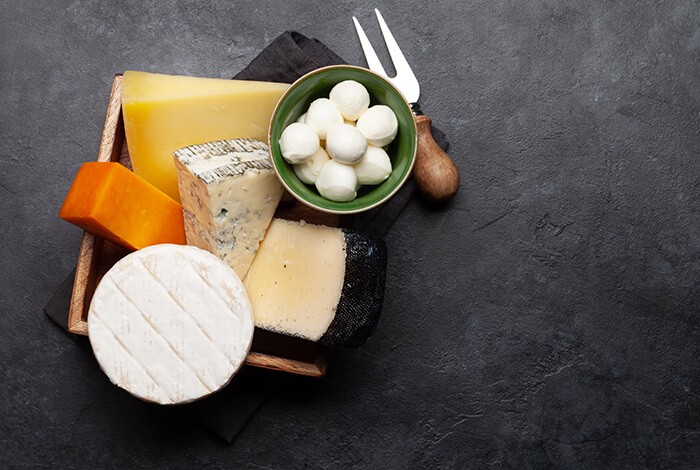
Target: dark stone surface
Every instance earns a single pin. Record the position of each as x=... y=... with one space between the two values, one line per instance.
x=548 y=317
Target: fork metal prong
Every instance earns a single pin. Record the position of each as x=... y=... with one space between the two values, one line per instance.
x=405 y=80
x=400 y=64
x=371 y=56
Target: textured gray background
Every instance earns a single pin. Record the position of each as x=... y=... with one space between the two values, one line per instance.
x=548 y=317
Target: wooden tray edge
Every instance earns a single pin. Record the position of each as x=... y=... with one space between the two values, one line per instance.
x=317 y=369
x=87 y=259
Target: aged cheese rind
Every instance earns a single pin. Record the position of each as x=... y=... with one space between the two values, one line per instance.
x=360 y=303
x=170 y=324
x=229 y=194
x=320 y=283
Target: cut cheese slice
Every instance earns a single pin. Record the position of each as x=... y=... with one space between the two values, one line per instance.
x=170 y=324
x=321 y=283
x=109 y=200
x=229 y=194
x=163 y=113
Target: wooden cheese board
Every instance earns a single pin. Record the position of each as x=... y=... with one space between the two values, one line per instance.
x=97 y=256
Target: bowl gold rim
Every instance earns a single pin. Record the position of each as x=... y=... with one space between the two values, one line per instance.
x=350 y=211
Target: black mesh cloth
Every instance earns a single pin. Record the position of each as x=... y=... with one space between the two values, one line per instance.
x=362 y=296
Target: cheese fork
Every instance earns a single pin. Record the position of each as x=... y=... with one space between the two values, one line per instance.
x=435 y=172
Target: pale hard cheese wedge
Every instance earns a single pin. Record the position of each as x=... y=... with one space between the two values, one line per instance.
x=170 y=324
x=163 y=113
x=321 y=283
x=229 y=193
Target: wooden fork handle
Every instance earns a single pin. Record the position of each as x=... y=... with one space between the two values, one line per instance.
x=435 y=172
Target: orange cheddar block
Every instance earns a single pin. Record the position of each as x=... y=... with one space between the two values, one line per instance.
x=115 y=203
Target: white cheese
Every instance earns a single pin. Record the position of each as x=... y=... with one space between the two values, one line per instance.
x=170 y=324
x=322 y=115
x=337 y=182
x=346 y=144
x=379 y=125
x=298 y=143
x=308 y=171
x=351 y=98
x=229 y=193
x=374 y=168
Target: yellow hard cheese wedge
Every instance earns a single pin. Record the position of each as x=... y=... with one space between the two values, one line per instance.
x=163 y=113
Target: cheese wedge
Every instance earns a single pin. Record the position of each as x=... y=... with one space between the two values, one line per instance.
x=170 y=324
x=229 y=193
x=163 y=113
x=109 y=200
x=320 y=283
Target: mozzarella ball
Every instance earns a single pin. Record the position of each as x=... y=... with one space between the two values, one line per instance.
x=322 y=115
x=298 y=143
x=379 y=125
x=308 y=171
x=302 y=119
x=345 y=143
x=374 y=168
x=351 y=98
x=337 y=182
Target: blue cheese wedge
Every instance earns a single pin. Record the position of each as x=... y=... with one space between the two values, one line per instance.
x=320 y=283
x=229 y=193
x=170 y=324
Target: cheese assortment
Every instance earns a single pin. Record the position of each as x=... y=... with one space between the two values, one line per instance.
x=163 y=113
x=229 y=193
x=115 y=203
x=321 y=283
x=170 y=324
x=351 y=131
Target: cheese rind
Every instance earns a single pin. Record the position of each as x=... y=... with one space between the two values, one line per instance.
x=163 y=113
x=320 y=283
x=170 y=324
x=229 y=193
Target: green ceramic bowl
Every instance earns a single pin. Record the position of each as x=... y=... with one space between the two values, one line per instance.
x=318 y=84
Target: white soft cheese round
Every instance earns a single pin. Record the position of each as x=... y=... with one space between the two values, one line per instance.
x=170 y=324
x=322 y=115
x=308 y=171
x=374 y=168
x=379 y=125
x=351 y=98
x=302 y=119
x=345 y=143
x=337 y=182
x=298 y=143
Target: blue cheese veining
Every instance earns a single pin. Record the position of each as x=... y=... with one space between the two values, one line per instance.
x=229 y=193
